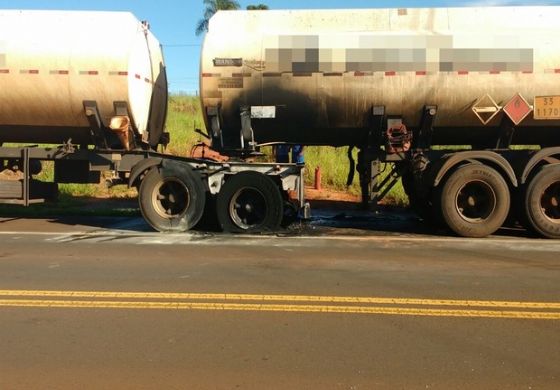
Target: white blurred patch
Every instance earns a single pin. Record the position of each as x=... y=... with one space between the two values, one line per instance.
x=263 y=112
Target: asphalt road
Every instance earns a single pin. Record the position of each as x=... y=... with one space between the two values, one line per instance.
x=103 y=303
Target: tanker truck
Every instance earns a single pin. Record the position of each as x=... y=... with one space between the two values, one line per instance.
x=462 y=104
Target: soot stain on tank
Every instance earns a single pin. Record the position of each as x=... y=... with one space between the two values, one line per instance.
x=300 y=117
x=295 y=113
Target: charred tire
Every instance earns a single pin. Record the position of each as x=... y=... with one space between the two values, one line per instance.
x=172 y=198
x=249 y=202
x=290 y=213
x=209 y=220
x=474 y=200
x=542 y=197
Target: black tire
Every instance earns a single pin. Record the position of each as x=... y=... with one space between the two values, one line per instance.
x=209 y=220
x=290 y=213
x=541 y=208
x=474 y=200
x=172 y=197
x=249 y=202
x=422 y=206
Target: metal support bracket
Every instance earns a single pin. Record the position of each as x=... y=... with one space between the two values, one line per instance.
x=507 y=129
x=375 y=134
x=380 y=188
x=26 y=176
x=247 y=136
x=121 y=108
x=368 y=157
x=423 y=139
x=215 y=128
x=96 y=124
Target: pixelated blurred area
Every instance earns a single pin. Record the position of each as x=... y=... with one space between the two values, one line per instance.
x=301 y=54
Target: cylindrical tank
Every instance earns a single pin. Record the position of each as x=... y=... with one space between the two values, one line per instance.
x=313 y=76
x=51 y=62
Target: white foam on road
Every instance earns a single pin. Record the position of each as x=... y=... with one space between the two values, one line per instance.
x=189 y=238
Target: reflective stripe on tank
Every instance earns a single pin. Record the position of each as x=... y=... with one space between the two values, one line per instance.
x=66 y=72
x=364 y=74
x=279 y=74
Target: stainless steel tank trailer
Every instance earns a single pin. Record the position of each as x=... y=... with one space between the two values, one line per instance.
x=100 y=93
x=463 y=102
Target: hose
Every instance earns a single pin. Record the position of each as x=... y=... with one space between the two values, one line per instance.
x=352 y=169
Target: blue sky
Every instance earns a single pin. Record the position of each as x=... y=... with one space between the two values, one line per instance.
x=174 y=21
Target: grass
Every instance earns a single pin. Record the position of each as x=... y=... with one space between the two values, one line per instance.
x=184 y=116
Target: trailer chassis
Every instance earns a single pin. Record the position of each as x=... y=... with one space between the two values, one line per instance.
x=279 y=187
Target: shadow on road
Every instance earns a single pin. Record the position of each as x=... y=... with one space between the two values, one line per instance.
x=328 y=218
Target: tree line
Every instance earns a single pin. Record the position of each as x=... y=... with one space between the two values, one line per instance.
x=213 y=6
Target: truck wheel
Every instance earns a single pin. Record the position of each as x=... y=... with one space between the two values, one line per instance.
x=542 y=198
x=290 y=213
x=474 y=201
x=249 y=202
x=172 y=198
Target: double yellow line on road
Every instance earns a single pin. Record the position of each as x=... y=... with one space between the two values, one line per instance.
x=284 y=303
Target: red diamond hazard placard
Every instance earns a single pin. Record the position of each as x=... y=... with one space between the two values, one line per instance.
x=517 y=109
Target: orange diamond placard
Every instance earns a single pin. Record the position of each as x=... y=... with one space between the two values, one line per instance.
x=517 y=109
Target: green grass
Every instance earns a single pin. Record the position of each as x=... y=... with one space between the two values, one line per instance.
x=183 y=117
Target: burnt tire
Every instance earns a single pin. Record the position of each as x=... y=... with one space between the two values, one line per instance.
x=172 y=197
x=290 y=213
x=249 y=202
x=474 y=200
x=541 y=205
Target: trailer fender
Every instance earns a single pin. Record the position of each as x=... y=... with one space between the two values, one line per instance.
x=140 y=168
x=536 y=159
x=476 y=155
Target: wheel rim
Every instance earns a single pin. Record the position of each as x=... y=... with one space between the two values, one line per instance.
x=550 y=199
x=170 y=198
x=476 y=201
x=247 y=208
